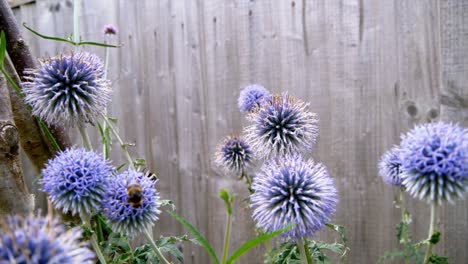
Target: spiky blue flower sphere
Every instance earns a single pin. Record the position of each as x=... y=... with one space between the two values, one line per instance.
x=76 y=180
x=252 y=96
x=67 y=89
x=390 y=167
x=282 y=126
x=293 y=191
x=38 y=240
x=434 y=161
x=234 y=154
x=131 y=203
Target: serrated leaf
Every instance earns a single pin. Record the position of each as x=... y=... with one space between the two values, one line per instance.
x=204 y=243
x=255 y=242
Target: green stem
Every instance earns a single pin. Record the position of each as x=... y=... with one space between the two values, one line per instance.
x=155 y=247
x=122 y=144
x=85 y=137
x=12 y=82
x=431 y=231
x=403 y=221
x=94 y=243
x=106 y=146
x=310 y=260
x=300 y=246
x=226 y=238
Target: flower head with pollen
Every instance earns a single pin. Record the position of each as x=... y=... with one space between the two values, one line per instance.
x=76 y=180
x=234 y=154
x=282 y=126
x=131 y=203
x=435 y=162
x=293 y=191
x=67 y=89
x=252 y=96
x=38 y=240
x=390 y=167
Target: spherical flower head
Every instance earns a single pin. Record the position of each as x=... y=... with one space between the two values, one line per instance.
x=234 y=154
x=282 y=126
x=110 y=30
x=131 y=203
x=38 y=240
x=434 y=162
x=293 y=191
x=252 y=96
x=390 y=167
x=76 y=180
x=67 y=89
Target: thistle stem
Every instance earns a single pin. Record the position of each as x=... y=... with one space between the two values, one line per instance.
x=431 y=231
x=122 y=144
x=85 y=137
x=226 y=238
x=106 y=145
x=305 y=254
x=93 y=240
x=155 y=247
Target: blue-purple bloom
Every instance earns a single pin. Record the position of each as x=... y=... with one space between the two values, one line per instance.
x=131 y=203
x=76 y=180
x=67 y=89
x=390 y=167
x=252 y=96
x=282 y=126
x=110 y=30
x=39 y=240
x=234 y=154
x=293 y=191
x=434 y=162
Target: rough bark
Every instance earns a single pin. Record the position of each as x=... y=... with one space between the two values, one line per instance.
x=22 y=59
x=14 y=195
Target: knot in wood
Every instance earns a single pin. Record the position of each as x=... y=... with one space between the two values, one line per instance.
x=8 y=138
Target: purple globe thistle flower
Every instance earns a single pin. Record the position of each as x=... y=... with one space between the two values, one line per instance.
x=293 y=191
x=234 y=154
x=38 y=240
x=390 y=167
x=76 y=180
x=131 y=203
x=434 y=161
x=252 y=96
x=110 y=30
x=67 y=89
x=282 y=126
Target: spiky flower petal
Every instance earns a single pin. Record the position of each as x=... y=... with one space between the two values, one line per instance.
x=252 y=96
x=435 y=162
x=390 y=167
x=293 y=191
x=282 y=126
x=38 y=240
x=234 y=154
x=76 y=180
x=131 y=203
x=67 y=89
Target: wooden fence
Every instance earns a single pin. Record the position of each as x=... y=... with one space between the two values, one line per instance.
x=370 y=68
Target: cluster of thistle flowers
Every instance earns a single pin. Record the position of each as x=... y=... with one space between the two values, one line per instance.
x=70 y=90
x=431 y=162
x=289 y=188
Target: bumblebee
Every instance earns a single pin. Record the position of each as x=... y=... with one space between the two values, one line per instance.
x=135 y=195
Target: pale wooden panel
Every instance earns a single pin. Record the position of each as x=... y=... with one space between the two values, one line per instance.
x=370 y=69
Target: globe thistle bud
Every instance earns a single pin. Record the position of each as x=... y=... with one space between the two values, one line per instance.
x=282 y=126
x=34 y=240
x=293 y=191
x=110 y=30
x=252 y=96
x=234 y=154
x=131 y=203
x=76 y=180
x=390 y=167
x=67 y=89
x=434 y=161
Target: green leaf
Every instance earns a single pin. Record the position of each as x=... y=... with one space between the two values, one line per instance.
x=228 y=199
x=139 y=163
x=2 y=48
x=255 y=242
x=48 y=37
x=49 y=135
x=204 y=243
x=435 y=237
x=438 y=259
x=92 y=43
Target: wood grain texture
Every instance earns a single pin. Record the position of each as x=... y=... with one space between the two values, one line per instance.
x=371 y=70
